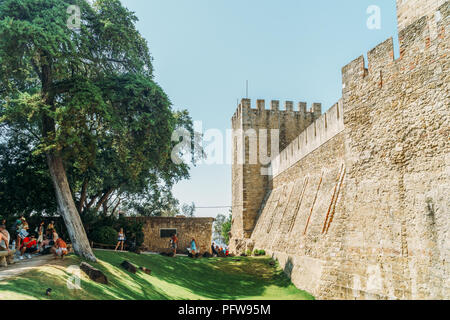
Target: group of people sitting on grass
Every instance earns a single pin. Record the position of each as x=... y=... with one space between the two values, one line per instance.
x=194 y=249
x=27 y=244
x=219 y=251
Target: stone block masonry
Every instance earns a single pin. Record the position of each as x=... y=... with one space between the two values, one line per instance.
x=358 y=205
x=186 y=229
x=249 y=185
x=409 y=11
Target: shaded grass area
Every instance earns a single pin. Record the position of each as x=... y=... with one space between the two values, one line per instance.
x=171 y=278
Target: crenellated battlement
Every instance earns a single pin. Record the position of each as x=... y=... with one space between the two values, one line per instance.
x=322 y=130
x=353 y=194
x=425 y=33
x=245 y=107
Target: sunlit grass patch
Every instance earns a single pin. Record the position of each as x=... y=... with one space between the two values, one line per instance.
x=171 y=278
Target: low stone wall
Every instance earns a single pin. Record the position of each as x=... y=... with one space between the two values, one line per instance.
x=187 y=228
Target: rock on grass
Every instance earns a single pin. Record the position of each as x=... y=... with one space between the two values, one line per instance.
x=93 y=274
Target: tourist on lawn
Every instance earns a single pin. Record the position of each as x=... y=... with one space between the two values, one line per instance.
x=45 y=247
x=121 y=240
x=22 y=231
x=49 y=236
x=4 y=238
x=60 y=248
x=213 y=250
x=174 y=242
x=40 y=231
x=51 y=225
x=29 y=247
x=193 y=246
x=54 y=237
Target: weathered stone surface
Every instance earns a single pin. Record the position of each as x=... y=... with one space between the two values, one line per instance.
x=187 y=228
x=7 y=258
x=409 y=11
x=93 y=273
x=362 y=211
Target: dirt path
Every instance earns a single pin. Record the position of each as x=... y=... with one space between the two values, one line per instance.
x=26 y=265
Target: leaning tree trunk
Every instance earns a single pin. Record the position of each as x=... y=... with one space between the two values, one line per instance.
x=67 y=208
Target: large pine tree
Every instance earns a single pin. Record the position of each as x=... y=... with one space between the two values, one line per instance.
x=81 y=92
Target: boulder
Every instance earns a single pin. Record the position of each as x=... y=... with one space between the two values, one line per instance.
x=6 y=258
x=145 y=270
x=93 y=274
x=129 y=267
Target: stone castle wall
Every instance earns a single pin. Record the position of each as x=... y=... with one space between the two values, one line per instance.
x=249 y=185
x=408 y=11
x=362 y=212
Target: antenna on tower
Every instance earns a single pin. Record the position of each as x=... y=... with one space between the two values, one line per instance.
x=246 y=89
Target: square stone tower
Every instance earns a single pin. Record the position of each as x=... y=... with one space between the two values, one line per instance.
x=410 y=10
x=252 y=128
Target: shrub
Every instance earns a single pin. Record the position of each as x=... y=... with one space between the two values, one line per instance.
x=133 y=230
x=94 y=222
x=259 y=252
x=105 y=235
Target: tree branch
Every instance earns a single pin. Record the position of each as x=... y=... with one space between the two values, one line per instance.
x=103 y=199
x=91 y=203
x=83 y=195
x=116 y=206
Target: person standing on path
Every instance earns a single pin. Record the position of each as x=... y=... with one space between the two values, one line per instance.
x=40 y=232
x=174 y=244
x=22 y=231
x=120 y=240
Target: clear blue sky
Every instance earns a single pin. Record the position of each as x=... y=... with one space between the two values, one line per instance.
x=205 y=50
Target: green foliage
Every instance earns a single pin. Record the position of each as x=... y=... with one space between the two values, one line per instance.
x=217 y=228
x=257 y=252
x=94 y=223
x=188 y=210
x=25 y=184
x=222 y=228
x=226 y=229
x=104 y=235
x=89 y=96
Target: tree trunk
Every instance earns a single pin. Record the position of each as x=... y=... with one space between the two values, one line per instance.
x=66 y=204
x=83 y=195
x=67 y=208
x=115 y=208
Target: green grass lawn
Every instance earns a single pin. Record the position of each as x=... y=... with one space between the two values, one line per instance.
x=171 y=278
